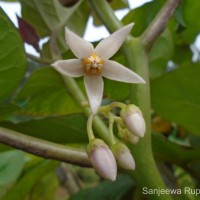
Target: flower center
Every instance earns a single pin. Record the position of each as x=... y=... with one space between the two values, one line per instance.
x=93 y=65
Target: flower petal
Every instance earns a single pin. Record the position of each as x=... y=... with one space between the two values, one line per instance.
x=115 y=71
x=80 y=47
x=94 y=90
x=109 y=46
x=72 y=67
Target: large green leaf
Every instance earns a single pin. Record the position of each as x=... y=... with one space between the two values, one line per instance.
x=176 y=97
x=12 y=57
x=64 y=129
x=107 y=190
x=11 y=164
x=45 y=94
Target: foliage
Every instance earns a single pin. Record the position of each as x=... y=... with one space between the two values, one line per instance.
x=34 y=100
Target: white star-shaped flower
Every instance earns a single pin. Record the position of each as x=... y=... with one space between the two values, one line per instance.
x=93 y=63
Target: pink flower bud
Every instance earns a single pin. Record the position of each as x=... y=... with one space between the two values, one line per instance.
x=102 y=159
x=123 y=156
x=133 y=119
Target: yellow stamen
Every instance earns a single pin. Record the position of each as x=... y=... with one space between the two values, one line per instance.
x=93 y=65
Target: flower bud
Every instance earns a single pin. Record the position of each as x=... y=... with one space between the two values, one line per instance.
x=102 y=159
x=133 y=119
x=127 y=136
x=123 y=156
x=133 y=139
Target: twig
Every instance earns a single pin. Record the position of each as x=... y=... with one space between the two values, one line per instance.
x=45 y=61
x=43 y=148
x=159 y=23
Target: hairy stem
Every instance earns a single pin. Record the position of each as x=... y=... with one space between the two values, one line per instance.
x=43 y=148
x=159 y=23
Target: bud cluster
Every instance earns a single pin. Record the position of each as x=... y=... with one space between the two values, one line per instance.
x=131 y=126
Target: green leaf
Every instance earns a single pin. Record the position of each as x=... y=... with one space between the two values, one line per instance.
x=107 y=190
x=170 y=152
x=46 y=16
x=6 y=110
x=50 y=16
x=11 y=165
x=163 y=47
x=45 y=94
x=119 y=4
x=43 y=190
x=31 y=179
x=157 y=67
x=176 y=97
x=183 y=54
x=116 y=91
x=64 y=129
x=78 y=20
x=160 y=54
x=12 y=57
x=77 y=23
x=188 y=27
x=142 y=16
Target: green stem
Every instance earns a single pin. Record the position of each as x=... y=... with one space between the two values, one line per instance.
x=106 y=14
x=117 y=105
x=43 y=148
x=159 y=23
x=111 y=122
x=140 y=94
x=45 y=61
x=89 y=127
